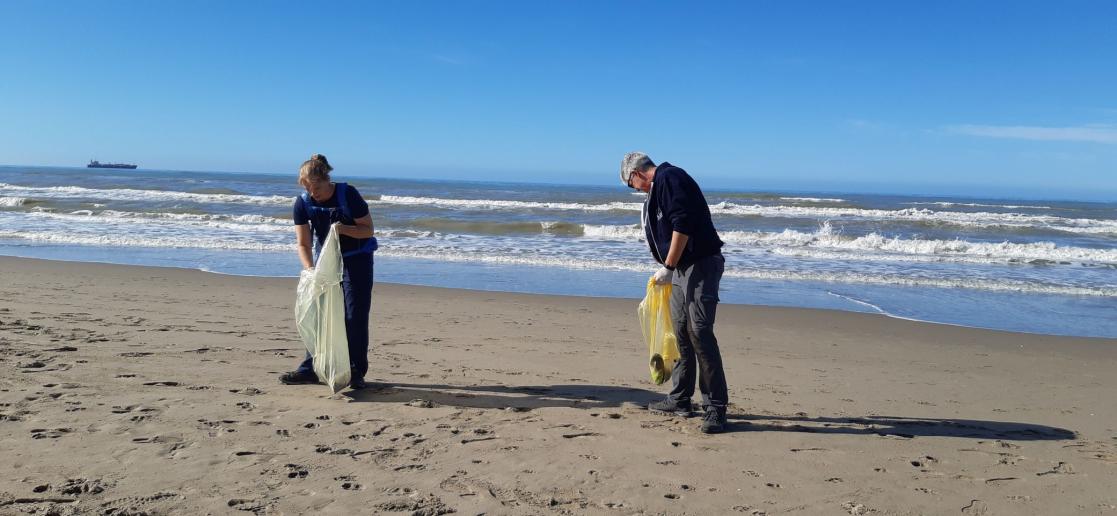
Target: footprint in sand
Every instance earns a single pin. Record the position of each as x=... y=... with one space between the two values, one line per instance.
x=44 y=433
x=134 y=504
x=478 y=439
x=296 y=471
x=248 y=391
x=81 y=486
x=63 y=349
x=976 y=508
x=158 y=439
x=580 y=434
x=750 y=510
x=924 y=462
x=855 y=508
x=1062 y=468
x=609 y=415
x=431 y=505
x=241 y=504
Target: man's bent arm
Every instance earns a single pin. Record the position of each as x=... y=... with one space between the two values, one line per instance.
x=678 y=244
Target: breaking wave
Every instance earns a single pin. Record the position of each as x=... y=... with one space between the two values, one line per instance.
x=130 y=194
x=1005 y=285
x=921 y=215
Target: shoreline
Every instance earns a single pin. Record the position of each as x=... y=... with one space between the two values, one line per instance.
x=877 y=310
x=131 y=389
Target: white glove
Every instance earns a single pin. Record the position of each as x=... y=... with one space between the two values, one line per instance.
x=663 y=276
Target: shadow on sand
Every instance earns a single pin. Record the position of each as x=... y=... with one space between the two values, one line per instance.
x=901 y=427
x=529 y=397
x=522 y=397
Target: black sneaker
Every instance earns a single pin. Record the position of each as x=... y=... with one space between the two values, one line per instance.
x=298 y=378
x=358 y=384
x=714 y=422
x=670 y=406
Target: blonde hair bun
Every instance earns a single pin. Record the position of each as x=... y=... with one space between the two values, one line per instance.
x=317 y=168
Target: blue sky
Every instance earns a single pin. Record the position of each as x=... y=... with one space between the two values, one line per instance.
x=981 y=98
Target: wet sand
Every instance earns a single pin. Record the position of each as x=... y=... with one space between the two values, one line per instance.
x=132 y=390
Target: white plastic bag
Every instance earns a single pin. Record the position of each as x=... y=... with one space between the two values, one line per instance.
x=320 y=315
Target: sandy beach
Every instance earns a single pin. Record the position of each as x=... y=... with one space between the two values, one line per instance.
x=137 y=390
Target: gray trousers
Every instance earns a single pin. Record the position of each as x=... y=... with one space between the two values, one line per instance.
x=694 y=302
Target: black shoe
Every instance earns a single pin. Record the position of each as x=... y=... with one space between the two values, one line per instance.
x=358 y=384
x=714 y=422
x=298 y=378
x=670 y=406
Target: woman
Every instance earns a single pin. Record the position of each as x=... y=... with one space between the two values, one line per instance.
x=324 y=204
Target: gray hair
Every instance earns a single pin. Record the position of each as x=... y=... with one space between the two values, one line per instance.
x=634 y=162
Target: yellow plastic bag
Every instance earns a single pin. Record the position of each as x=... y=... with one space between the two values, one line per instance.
x=654 y=313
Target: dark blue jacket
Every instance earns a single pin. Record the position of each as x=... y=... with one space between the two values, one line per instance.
x=675 y=203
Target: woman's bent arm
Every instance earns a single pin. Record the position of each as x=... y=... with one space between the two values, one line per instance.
x=362 y=228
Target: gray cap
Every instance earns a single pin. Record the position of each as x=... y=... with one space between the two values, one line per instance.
x=632 y=162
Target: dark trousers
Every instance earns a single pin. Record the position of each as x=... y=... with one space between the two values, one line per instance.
x=356 y=285
x=694 y=302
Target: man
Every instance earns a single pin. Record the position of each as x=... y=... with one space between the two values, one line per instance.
x=682 y=238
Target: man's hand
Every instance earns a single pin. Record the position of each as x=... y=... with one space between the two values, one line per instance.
x=663 y=276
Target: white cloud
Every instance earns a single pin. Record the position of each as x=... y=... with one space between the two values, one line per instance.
x=1085 y=133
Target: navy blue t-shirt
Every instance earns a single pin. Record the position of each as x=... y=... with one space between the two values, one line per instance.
x=321 y=221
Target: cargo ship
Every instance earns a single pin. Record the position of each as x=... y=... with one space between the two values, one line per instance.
x=98 y=164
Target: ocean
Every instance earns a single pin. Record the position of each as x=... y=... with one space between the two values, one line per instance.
x=1023 y=265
